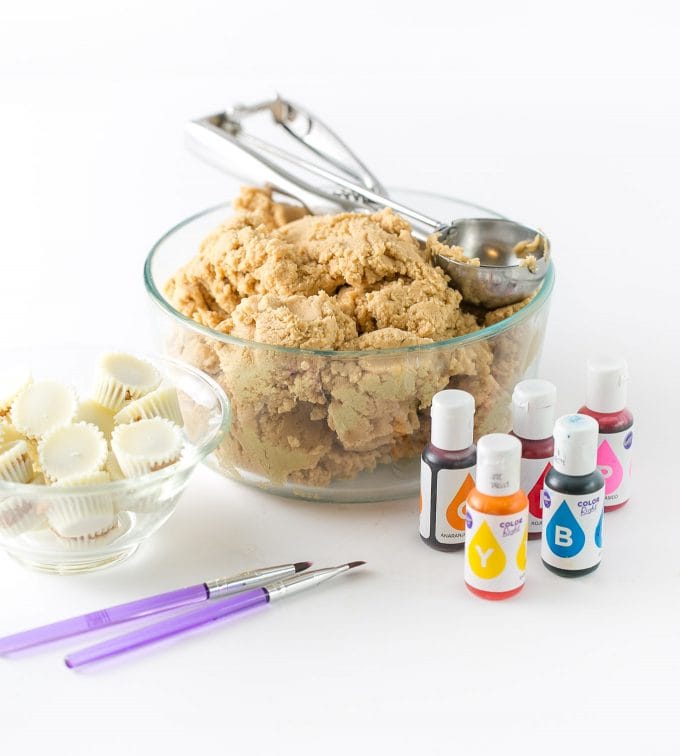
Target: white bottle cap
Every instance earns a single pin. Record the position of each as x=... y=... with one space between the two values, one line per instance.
x=498 y=462
x=575 y=444
x=533 y=409
x=453 y=416
x=607 y=386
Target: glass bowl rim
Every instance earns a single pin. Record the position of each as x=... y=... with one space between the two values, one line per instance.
x=186 y=462
x=539 y=300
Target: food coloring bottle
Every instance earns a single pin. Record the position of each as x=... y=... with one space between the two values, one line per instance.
x=447 y=470
x=533 y=417
x=496 y=520
x=606 y=402
x=573 y=500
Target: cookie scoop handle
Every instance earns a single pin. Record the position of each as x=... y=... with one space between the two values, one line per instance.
x=223 y=143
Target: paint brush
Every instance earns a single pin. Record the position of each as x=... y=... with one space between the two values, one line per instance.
x=218 y=588
x=202 y=616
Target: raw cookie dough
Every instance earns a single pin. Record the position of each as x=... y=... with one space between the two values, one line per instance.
x=344 y=283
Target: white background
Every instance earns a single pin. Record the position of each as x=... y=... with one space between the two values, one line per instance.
x=567 y=115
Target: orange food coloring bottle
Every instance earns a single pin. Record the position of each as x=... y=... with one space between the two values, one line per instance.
x=497 y=518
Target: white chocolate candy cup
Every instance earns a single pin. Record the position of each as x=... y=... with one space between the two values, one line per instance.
x=33 y=454
x=82 y=516
x=87 y=479
x=9 y=434
x=97 y=414
x=122 y=377
x=43 y=406
x=89 y=543
x=146 y=446
x=113 y=468
x=72 y=450
x=15 y=463
x=18 y=516
x=12 y=383
x=162 y=402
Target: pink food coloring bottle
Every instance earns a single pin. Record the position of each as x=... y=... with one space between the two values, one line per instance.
x=606 y=396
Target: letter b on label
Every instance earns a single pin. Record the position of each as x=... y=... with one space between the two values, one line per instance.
x=563 y=534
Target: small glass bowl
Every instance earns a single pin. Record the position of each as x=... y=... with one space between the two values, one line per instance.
x=343 y=426
x=140 y=505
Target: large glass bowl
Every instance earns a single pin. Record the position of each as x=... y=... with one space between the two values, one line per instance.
x=141 y=504
x=342 y=426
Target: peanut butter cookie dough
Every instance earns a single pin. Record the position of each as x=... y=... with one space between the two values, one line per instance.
x=350 y=282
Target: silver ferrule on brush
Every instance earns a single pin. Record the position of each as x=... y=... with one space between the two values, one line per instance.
x=301 y=582
x=225 y=586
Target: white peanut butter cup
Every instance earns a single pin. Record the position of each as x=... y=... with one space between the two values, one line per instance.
x=72 y=451
x=9 y=434
x=146 y=446
x=85 y=515
x=90 y=411
x=18 y=516
x=15 y=463
x=162 y=402
x=43 y=406
x=87 y=542
x=12 y=383
x=112 y=467
x=121 y=378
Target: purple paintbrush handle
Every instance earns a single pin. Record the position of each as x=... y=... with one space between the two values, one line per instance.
x=103 y=618
x=167 y=628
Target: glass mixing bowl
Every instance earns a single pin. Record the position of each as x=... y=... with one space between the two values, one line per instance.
x=141 y=504
x=343 y=426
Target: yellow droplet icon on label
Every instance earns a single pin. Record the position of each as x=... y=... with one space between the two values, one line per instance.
x=522 y=552
x=455 y=512
x=485 y=556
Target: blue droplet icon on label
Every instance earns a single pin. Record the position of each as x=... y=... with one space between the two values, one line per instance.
x=564 y=535
x=598 y=531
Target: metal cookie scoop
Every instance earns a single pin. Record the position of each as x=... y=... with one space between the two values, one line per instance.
x=513 y=258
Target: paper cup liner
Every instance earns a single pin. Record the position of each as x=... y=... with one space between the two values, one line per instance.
x=162 y=402
x=17 y=516
x=72 y=451
x=121 y=378
x=146 y=446
x=84 y=516
x=90 y=542
x=15 y=463
x=43 y=406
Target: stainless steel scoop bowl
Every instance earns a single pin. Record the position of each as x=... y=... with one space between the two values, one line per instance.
x=513 y=260
x=512 y=257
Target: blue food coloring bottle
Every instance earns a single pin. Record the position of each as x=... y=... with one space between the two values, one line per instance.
x=573 y=500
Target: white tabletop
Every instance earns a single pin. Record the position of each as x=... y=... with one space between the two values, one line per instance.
x=570 y=122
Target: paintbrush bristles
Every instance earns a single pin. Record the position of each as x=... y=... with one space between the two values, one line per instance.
x=302 y=566
x=355 y=564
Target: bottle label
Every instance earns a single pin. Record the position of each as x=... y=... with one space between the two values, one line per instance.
x=572 y=529
x=614 y=457
x=532 y=475
x=451 y=488
x=496 y=550
x=425 y=496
